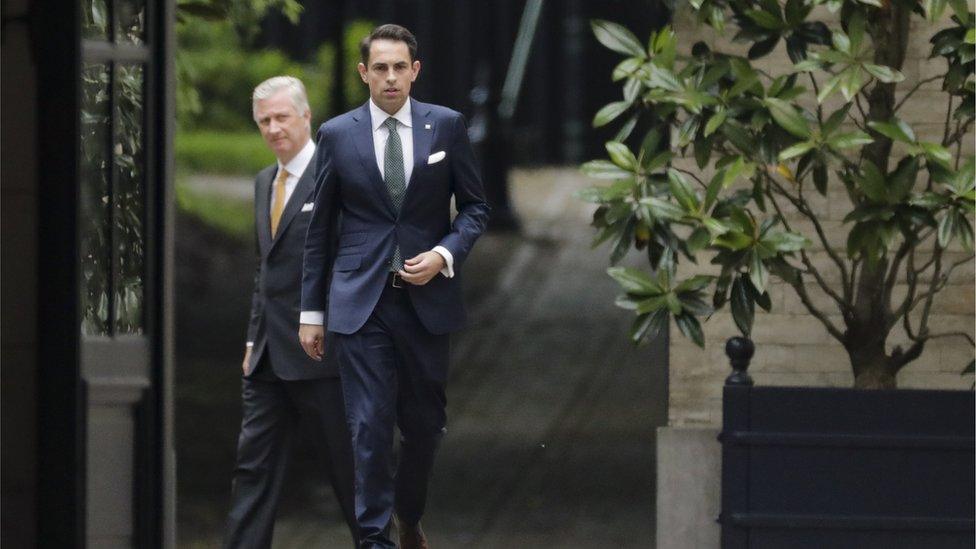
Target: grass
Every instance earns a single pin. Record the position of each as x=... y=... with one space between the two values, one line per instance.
x=232 y=217
x=229 y=153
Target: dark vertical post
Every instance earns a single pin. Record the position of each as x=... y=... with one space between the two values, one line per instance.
x=61 y=433
x=735 y=457
x=339 y=67
x=574 y=31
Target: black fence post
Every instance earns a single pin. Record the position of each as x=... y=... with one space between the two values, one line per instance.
x=735 y=457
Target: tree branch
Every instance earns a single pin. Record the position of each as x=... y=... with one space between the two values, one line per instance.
x=841 y=303
x=692 y=174
x=915 y=89
x=801 y=291
x=801 y=207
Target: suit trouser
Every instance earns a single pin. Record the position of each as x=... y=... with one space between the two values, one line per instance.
x=271 y=409
x=393 y=373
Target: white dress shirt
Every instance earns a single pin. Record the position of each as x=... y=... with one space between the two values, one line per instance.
x=380 y=135
x=296 y=167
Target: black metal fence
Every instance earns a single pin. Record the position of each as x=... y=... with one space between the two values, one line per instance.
x=823 y=467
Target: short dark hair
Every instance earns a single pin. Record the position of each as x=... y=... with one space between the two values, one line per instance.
x=389 y=32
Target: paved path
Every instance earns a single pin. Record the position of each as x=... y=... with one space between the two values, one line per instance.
x=551 y=410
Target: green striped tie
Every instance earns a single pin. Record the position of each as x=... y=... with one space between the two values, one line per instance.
x=396 y=181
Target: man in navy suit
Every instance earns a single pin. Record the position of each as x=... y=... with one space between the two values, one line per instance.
x=385 y=175
x=281 y=384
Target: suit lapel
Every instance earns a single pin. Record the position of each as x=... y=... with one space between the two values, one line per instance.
x=423 y=137
x=263 y=215
x=363 y=138
x=303 y=189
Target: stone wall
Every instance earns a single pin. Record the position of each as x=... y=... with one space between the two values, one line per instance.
x=793 y=347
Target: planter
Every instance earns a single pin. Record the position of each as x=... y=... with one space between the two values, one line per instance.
x=819 y=467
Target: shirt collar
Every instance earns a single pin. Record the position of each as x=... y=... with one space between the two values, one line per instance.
x=379 y=116
x=296 y=166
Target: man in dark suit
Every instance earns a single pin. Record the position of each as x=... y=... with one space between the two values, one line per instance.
x=281 y=384
x=385 y=176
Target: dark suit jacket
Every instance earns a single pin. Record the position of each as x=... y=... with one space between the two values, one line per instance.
x=349 y=189
x=277 y=283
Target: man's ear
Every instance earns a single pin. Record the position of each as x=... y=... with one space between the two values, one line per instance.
x=416 y=70
x=362 y=72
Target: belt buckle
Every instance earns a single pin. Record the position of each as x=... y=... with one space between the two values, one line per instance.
x=397 y=281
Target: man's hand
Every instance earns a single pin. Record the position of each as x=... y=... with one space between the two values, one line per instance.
x=312 y=337
x=418 y=270
x=247 y=358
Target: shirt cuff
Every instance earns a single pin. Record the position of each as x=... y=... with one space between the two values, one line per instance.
x=249 y=344
x=312 y=317
x=448 y=270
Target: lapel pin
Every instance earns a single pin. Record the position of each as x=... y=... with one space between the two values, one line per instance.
x=426 y=126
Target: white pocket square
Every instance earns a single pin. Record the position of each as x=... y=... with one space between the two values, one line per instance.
x=436 y=157
x=307 y=207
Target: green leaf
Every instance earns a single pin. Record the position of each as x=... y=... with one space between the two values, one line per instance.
x=855 y=29
x=688 y=130
x=621 y=155
x=691 y=328
x=610 y=112
x=663 y=209
x=682 y=191
x=835 y=119
x=850 y=82
x=657 y=161
x=714 y=226
x=758 y=274
x=765 y=19
x=796 y=150
x=784 y=241
x=871 y=182
x=743 y=308
x=603 y=169
x=651 y=141
x=673 y=303
x=934 y=9
x=711 y=192
x=848 y=140
x=788 y=117
x=936 y=152
x=617 y=37
x=649 y=326
x=663 y=78
x=652 y=304
x=635 y=282
x=627 y=67
x=694 y=283
x=897 y=130
x=828 y=88
x=734 y=240
x=841 y=42
x=884 y=74
x=901 y=181
x=965 y=231
x=715 y=121
x=947 y=228
x=929 y=201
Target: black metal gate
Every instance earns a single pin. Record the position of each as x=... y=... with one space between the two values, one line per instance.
x=818 y=467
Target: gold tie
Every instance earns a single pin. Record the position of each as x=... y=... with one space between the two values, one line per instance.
x=279 y=200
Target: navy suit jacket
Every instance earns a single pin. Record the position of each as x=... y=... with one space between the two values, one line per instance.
x=277 y=283
x=351 y=200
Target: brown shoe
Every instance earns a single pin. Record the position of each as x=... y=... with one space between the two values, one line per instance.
x=411 y=536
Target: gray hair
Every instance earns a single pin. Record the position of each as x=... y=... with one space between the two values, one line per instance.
x=271 y=86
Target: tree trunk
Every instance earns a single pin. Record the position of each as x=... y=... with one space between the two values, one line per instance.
x=874 y=374
x=867 y=331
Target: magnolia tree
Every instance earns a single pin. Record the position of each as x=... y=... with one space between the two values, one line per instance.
x=773 y=141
